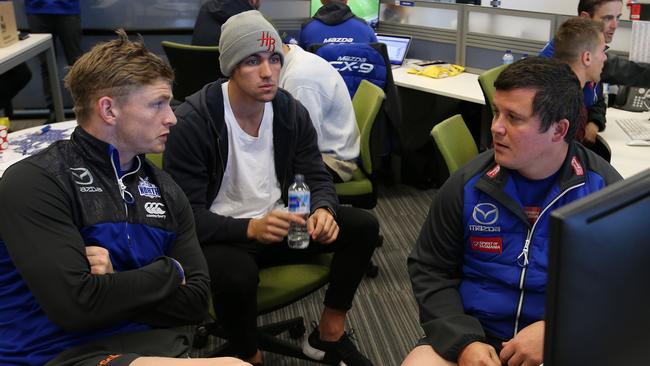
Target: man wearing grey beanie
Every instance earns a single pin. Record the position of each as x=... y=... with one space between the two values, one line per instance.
x=234 y=152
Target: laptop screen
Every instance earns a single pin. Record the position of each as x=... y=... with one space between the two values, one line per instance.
x=397 y=46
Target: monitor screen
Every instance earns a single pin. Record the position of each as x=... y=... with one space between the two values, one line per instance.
x=598 y=299
x=397 y=47
x=366 y=9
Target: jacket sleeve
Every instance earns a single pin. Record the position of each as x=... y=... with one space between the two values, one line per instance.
x=620 y=71
x=434 y=267
x=187 y=156
x=188 y=304
x=309 y=162
x=596 y=113
x=46 y=247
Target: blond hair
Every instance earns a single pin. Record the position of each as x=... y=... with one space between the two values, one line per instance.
x=114 y=69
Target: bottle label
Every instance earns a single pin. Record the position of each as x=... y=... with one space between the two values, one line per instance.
x=299 y=202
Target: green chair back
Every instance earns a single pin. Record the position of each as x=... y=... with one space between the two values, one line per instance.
x=194 y=66
x=366 y=103
x=156 y=159
x=359 y=191
x=486 y=80
x=455 y=142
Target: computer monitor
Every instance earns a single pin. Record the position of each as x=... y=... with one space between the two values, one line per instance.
x=365 y=9
x=598 y=298
x=397 y=47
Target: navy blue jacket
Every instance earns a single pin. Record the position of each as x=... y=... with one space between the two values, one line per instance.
x=72 y=195
x=479 y=265
x=197 y=154
x=335 y=23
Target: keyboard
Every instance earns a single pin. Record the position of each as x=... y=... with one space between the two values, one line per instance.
x=636 y=129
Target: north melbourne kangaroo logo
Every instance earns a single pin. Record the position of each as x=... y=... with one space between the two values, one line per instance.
x=267 y=41
x=485 y=213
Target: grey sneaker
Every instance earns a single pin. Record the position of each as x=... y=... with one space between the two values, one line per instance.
x=342 y=352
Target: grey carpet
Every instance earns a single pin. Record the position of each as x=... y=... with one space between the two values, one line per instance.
x=384 y=314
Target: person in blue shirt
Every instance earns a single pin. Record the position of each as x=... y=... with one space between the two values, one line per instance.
x=334 y=22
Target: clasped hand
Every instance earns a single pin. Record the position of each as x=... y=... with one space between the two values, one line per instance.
x=274 y=226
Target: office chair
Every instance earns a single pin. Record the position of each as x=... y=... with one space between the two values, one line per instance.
x=360 y=191
x=455 y=142
x=486 y=80
x=194 y=67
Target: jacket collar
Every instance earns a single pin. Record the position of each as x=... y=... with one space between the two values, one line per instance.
x=98 y=152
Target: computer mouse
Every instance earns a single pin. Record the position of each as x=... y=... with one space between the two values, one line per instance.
x=638 y=143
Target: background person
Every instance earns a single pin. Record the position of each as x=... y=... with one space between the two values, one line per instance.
x=327 y=99
x=335 y=23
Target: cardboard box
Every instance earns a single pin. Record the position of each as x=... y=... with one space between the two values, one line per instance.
x=8 y=30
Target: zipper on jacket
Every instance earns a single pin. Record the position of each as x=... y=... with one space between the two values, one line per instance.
x=524 y=253
x=124 y=193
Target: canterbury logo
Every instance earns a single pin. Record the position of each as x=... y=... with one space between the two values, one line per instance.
x=82 y=176
x=267 y=41
x=154 y=208
x=485 y=213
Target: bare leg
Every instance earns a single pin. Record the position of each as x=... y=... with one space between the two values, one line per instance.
x=332 y=324
x=162 y=361
x=425 y=356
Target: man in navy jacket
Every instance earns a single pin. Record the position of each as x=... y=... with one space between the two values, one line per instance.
x=478 y=269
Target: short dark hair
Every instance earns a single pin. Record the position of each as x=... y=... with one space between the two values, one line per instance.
x=575 y=36
x=558 y=93
x=590 y=6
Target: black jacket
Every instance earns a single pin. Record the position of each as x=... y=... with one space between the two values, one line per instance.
x=197 y=155
x=212 y=15
x=70 y=196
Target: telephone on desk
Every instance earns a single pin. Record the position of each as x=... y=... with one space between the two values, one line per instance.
x=633 y=99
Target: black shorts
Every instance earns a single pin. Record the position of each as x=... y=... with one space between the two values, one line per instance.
x=122 y=349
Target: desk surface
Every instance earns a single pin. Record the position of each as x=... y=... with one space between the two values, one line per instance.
x=25 y=142
x=33 y=41
x=628 y=160
x=464 y=86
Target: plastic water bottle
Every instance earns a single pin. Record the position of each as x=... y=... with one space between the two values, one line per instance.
x=299 y=196
x=508 y=58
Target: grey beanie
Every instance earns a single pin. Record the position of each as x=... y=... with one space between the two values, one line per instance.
x=245 y=34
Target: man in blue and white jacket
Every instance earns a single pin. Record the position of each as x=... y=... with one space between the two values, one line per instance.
x=479 y=267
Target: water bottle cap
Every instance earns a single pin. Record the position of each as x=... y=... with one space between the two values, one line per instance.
x=299 y=178
x=508 y=51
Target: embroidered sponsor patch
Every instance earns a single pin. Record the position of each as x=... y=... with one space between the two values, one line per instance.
x=494 y=171
x=148 y=189
x=577 y=167
x=487 y=245
x=267 y=40
x=155 y=210
x=108 y=360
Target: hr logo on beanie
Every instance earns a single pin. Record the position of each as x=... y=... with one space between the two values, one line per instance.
x=267 y=41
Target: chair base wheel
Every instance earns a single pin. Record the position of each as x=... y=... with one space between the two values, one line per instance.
x=297 y=331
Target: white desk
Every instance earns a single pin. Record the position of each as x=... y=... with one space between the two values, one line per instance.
x=33 y=46
x=628 y=160
x=24 y=143
x=464 y=86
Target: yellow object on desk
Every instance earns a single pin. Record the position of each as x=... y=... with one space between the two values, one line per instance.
x=439 y=71
x=4 y=121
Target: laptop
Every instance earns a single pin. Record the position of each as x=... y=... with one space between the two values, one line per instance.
x=397 y=46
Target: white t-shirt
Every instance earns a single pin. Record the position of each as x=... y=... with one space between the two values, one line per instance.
x=250 y=188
